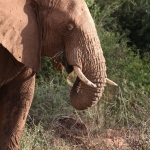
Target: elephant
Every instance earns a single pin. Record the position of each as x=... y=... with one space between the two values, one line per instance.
x=30 y=29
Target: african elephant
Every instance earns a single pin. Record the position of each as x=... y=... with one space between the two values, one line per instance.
x=30 y=29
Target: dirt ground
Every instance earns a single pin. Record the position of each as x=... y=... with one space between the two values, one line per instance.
x=76 y=133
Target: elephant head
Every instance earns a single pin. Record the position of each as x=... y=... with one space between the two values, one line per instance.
x=63 y=30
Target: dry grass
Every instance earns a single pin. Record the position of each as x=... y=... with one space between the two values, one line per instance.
x=54 y=125
x=70 y=133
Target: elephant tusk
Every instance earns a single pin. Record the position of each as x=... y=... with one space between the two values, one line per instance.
x=82 y=77
x=111 y=82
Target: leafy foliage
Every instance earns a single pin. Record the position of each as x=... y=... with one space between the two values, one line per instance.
x=131 y=100
x=134 y=16
x=129 y=17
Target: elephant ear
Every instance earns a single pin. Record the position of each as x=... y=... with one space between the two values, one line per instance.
x=19 y=32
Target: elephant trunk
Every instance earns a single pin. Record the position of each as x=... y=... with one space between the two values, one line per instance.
x=82 y=95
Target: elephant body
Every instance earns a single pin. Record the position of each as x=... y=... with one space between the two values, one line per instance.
x=30 y=29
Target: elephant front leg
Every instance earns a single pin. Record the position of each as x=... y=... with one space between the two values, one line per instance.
x=15 y=102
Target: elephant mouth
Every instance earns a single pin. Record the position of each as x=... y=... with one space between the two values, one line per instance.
x=79 y=73
x=59 y=59
x=68 y=67
x=83 y=78
x=77 y=70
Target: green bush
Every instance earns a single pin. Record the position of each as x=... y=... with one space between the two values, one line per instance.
x=131 y=101
x=130 y=18
x=134 y=16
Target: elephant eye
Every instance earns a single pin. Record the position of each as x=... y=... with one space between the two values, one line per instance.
x=70 y=27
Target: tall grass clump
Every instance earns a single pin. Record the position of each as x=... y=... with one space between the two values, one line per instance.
x=130 y=103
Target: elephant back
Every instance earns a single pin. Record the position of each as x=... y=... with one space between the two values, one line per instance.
x=19 y=32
